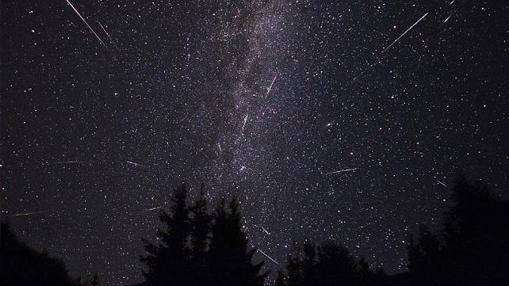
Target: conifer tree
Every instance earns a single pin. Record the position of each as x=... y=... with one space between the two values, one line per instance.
x=472 y=247
x=21 y=265
x=200 y=235
x=230 y=257
x=168 y=260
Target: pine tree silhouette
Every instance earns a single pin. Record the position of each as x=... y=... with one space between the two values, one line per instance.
x=168 y=261
x=20 y=265
x=472 y=248
x=425 y=257
x=335 y=264
x=327 y=265
x=230 y=258
x=200 y=235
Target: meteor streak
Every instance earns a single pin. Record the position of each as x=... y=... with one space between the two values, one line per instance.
x=341 y=171
x=270 y=86
x=86 y=23
x=153 y=209
x=265 y=230
x=441 y=183
x=107 y=34
x=404 y=33
x=245 y=121
x=71 y=162
x=25 y=214
x=135 y=164
x=266 y=255
x=447 y=19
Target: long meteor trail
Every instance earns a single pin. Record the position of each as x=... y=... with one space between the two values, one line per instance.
x=71 y=162
x=86 y=23
x=341 y=171
x=404 y=33
x=266 y=255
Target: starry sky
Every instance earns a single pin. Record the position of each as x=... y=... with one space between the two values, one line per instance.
x=341 y=120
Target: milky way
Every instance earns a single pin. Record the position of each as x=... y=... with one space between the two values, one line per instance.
x=343 y=120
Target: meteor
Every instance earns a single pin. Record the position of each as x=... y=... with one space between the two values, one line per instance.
x=135 y=164
x=270 y=86
x=441 y=183
x=86 y=23
x=266 y=255
x=404 y=33
x=265 y=230
x=26 y=214
x=342 y=171
x=245 y=121
x=71 y=162
x=447 y=19
x=107 y=34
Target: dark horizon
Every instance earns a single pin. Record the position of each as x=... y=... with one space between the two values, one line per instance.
x=199 y=243
x=327 y=120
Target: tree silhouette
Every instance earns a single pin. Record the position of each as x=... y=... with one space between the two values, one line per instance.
x=425 y=256
x=197 y=248
x=20 y=265
x=472 y=248
x=200 y=234
x=326 y=265
x=168 y=261
x=230 y=258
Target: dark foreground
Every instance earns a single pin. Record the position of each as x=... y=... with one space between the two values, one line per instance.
x=197 y=246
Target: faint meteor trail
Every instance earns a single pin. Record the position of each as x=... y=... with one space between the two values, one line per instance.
x=266 y=255
x=71 y=162
x=86 y=23
x=135 y=164
x=342 y=171
x=271 y=85
x=107 y=34
x=25 y=214
x=441 y=183
x=404 y=33
x=153 y=209
x=219 y=146
x=265 y=230
x=244 y=124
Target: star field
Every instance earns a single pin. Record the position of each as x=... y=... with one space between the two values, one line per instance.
x=338 y=120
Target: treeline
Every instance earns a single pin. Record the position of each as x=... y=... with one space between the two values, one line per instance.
x=197 y=245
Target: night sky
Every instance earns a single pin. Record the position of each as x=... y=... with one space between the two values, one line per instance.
x=341 y=120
